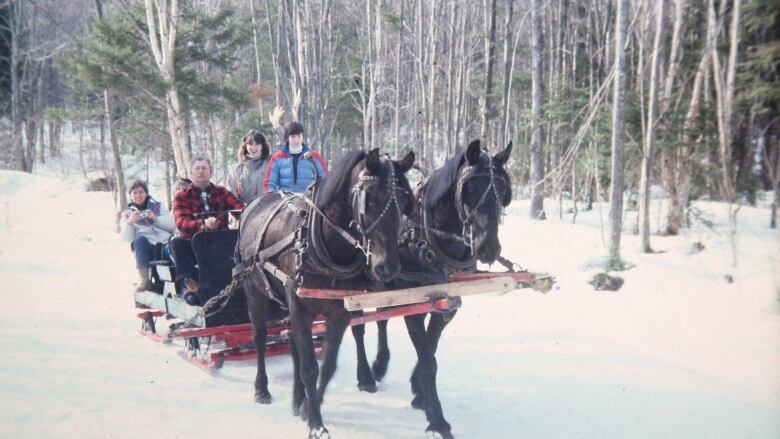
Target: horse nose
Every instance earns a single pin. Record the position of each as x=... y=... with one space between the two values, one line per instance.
x=489 y=253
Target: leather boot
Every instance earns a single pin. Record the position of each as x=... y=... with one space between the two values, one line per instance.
x=145 y=282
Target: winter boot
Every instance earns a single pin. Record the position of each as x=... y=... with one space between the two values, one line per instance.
x=145 y=282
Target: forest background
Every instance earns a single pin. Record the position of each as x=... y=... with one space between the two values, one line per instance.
x=602 y=99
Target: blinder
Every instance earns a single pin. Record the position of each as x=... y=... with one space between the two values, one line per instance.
x=359 y=195
x=471 y=172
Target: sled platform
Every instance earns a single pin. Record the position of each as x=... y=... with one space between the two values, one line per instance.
x=209 y=347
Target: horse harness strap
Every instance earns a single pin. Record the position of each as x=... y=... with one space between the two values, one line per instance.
x=427 y=247
x=359 y=192
x=466 y=175
x=349 y=238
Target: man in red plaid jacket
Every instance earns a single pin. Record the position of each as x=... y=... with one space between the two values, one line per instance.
x=200 y=197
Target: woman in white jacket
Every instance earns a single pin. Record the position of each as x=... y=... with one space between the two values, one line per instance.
x=145 y=223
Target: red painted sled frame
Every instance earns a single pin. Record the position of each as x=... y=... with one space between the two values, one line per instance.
x=237 y=339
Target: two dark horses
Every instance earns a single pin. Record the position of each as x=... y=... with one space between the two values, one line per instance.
x=347 y=238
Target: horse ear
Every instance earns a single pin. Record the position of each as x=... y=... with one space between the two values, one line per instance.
x=372 y=161
x=472 y=152
x=502 y=157
x=406 y=163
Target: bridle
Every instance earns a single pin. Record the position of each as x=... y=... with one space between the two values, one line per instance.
x=469 y=173
x=359 y=193
x=467 y=218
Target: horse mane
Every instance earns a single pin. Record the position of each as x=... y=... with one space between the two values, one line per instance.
x=442 y=179
x=332 y=186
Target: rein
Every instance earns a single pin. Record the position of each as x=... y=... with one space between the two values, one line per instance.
x=307 y=238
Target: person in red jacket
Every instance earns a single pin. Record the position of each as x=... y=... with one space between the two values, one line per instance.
x=200 y=197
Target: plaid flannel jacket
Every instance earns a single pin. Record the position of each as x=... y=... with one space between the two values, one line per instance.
x=187 y=204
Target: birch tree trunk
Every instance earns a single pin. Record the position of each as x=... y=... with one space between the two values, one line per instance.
x=537 y=154
x=649 y=144
x=256 y=47
x=724 y=105
x=508 y=58
x=616 y=190
x=119 y=173
x=108 y=107
x=162 y=40
x=397 y=120
x=490 y=50
x=16 y=28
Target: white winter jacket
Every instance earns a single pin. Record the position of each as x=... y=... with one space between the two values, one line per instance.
x=158 y=230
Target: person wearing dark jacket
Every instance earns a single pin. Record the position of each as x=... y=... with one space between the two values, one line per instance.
x=200 y=197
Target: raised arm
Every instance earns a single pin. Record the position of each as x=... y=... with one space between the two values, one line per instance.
x=275 y=117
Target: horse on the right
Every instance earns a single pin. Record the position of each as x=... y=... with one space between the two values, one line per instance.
x=456 y=224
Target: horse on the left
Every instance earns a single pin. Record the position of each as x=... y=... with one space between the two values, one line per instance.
x=341 y=234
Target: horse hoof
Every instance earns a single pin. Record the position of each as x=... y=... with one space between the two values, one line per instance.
x=430 y=434
x=263 y=397
x=370 y=387
x=319 y=433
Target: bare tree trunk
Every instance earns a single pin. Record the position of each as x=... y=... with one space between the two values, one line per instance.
x=16 y=29
x=725 y=100
x=537 y=153
x=256 y=47
x=81 y=151
x=274 y=40
x=119 y=174
x=398 y=74
x=451 y=47
x=430 y=95
x=490 y=50
x=649 y=146
x=508 y=58
x=460 y=82
x=30 y=133
x=299 y=90
x=162 y=40
x=616 y=192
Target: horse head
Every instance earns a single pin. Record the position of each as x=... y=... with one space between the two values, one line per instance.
x=483 y=190
x=380 y=196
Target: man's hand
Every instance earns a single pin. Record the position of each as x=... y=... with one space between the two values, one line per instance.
x=276 y=116
x=210 y=223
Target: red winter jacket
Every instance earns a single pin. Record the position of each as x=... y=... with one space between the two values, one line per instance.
x=188 y=202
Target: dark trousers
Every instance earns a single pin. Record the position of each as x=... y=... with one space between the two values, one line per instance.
x=145 y=252
x=184 y=258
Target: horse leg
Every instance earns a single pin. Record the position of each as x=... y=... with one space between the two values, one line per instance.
x=307 y=366
x=299 y=393
x=424 y=378
x=257 y=302
x=337 y=325
x=415 y=325
x=366 y=381
x=436 y=325
x=379 y=367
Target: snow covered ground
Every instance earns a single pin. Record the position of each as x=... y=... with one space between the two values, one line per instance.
x=678 y=352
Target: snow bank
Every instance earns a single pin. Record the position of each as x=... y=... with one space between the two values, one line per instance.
x=677 y=352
